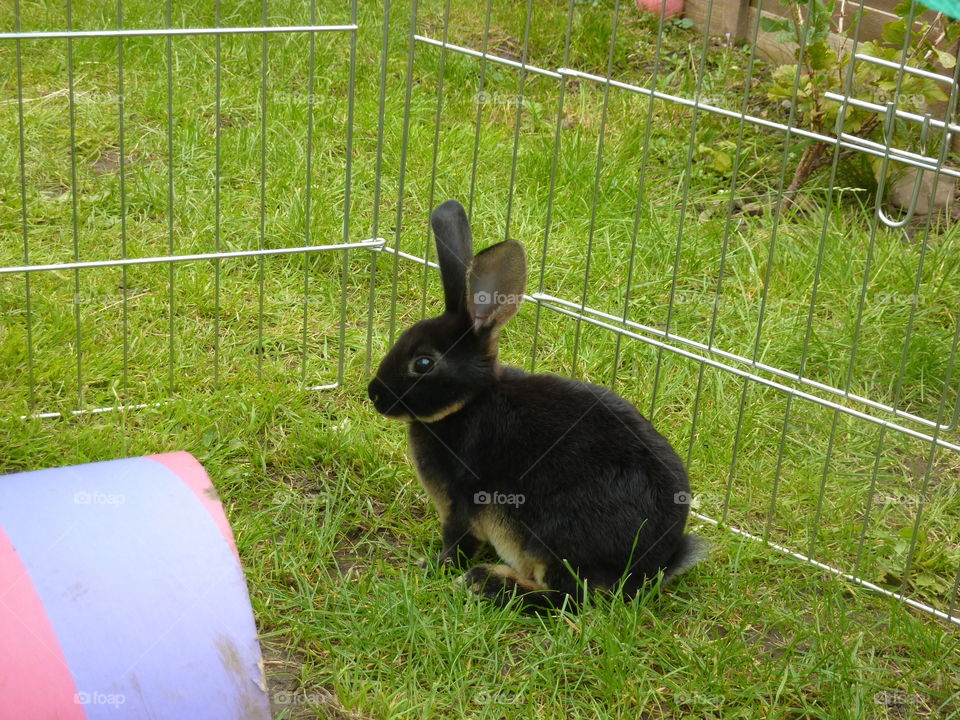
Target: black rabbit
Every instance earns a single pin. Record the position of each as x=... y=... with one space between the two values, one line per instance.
x=569 y=483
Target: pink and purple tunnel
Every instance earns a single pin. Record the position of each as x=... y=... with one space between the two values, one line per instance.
x=122 y=596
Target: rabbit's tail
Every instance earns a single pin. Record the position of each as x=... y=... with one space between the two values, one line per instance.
x=692 y=550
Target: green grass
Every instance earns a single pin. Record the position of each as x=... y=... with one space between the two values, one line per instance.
x=325 y=506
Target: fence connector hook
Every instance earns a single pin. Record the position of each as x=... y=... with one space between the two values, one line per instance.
x=918 y=179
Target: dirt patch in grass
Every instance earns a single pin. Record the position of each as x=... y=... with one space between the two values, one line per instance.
x=360 y=549
x=106 y=163
x=310 y=484
x=282 y=670
x=348 y=561
x=54 y=191
x=504 y=45
x=234 y=119
x=769 y=640
x=289 y=700
x=499 y=42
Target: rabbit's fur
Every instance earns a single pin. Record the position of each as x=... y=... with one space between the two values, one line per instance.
x=572 y=487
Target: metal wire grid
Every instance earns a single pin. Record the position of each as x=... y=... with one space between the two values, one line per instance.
x=172 y=258
x=794 y=385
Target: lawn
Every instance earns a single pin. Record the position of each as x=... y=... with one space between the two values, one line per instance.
x=328 y=514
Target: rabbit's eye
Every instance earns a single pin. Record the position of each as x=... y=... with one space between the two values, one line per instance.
x=423 y=364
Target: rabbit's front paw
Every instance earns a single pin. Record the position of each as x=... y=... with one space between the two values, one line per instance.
x=491 y=582
x=501 y=584
x=475 y=578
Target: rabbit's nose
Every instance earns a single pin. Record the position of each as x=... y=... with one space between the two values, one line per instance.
x=372 y=392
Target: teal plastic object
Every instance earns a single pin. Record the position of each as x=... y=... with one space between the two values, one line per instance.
x=950 y=8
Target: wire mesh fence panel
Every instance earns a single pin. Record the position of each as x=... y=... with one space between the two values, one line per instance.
x=796 y=341
x=175 y=199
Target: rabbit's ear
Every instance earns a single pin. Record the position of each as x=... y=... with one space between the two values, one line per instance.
x=495 y=289
x=454 y=252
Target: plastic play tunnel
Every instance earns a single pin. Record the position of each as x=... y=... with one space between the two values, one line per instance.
x=122 y=596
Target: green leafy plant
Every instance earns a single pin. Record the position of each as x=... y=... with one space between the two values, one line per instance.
x=823 y=55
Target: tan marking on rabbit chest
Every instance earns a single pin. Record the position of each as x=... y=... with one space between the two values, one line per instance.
x=493 y=526
x=433 y=486
x=441 y=414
